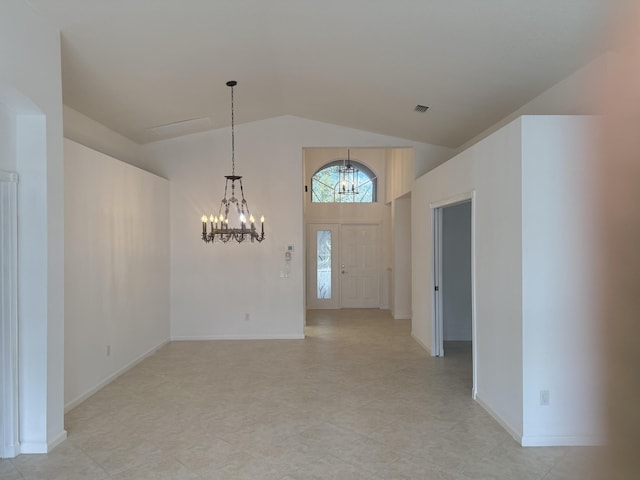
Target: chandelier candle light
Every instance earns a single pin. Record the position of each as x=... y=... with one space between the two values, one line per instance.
x=219 y=225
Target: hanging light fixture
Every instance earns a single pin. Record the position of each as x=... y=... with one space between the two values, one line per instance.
x=348 y=177
x=220 y=228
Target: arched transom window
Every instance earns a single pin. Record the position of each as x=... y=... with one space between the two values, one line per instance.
x=325 y=184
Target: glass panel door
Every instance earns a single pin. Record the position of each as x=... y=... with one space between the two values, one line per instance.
x=323 y=287
x=323 y=264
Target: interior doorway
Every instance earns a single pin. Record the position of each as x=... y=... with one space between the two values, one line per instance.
x=453 y=280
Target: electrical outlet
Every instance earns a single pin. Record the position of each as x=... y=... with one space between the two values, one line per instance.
x=247 y=317
x=544 y=397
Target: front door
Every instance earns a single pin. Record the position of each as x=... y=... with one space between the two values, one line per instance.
x=360 y=266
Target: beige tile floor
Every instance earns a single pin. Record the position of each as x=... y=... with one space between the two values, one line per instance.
x=357 y=399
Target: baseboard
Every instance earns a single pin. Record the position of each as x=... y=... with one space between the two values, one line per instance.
x=421 y=343
x=287 y=336
x=11 y=450
x=78 y=400
x=544 y=440
x=31 y=448
x=562 y=441
x=402 y=315
x=57 y=441
x=510 y=430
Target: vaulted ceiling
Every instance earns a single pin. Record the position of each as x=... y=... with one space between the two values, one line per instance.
x=137 y=64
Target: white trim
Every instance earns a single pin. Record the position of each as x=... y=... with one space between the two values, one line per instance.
x=56 y=441
x=421 y=343
x=29 y=448
x=453 y=200
x=562 y=441
x=474 y=317
x=9 y=401
x=437 y=343
x=40 y=448
x=447 y=202
x=510 y=430
x=78 y=400
x=275 y=336
x=10 y=177
x=401 y=314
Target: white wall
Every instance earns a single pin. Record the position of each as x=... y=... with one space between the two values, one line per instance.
x=401 y=172
x=213 y=286
x=30 y=86
x=535 y=328
x=456 y=272
x=576 y=94
x=492 y=169
x=401 y=267
x=7 y=139
x=562 y=346
x=88 y=132
x=116 y=268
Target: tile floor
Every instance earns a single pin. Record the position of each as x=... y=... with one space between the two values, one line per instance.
x=357 y=399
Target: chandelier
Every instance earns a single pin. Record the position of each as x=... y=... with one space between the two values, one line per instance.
x=219 y=228
x=348 y=177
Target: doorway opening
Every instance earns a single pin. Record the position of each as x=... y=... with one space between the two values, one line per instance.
x=453 y=281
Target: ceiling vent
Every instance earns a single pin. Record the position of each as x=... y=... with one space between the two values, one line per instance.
x=421 y=108
x=183 y=127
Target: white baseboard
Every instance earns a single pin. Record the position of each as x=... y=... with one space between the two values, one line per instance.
x=57 y=441
x=30 y=448
x=81 y=398
x=510 y=430
x=402 y=315
x=562 y=441
x=421 y=343
x=10 y=450
x=287 y=336
x=544 y=440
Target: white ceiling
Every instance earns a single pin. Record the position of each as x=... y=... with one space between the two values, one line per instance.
x=137 y=64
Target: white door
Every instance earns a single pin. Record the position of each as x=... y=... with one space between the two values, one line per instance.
x=323 y=277
x=360 y=266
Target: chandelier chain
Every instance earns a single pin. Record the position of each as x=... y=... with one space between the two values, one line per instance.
x=233 y=137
